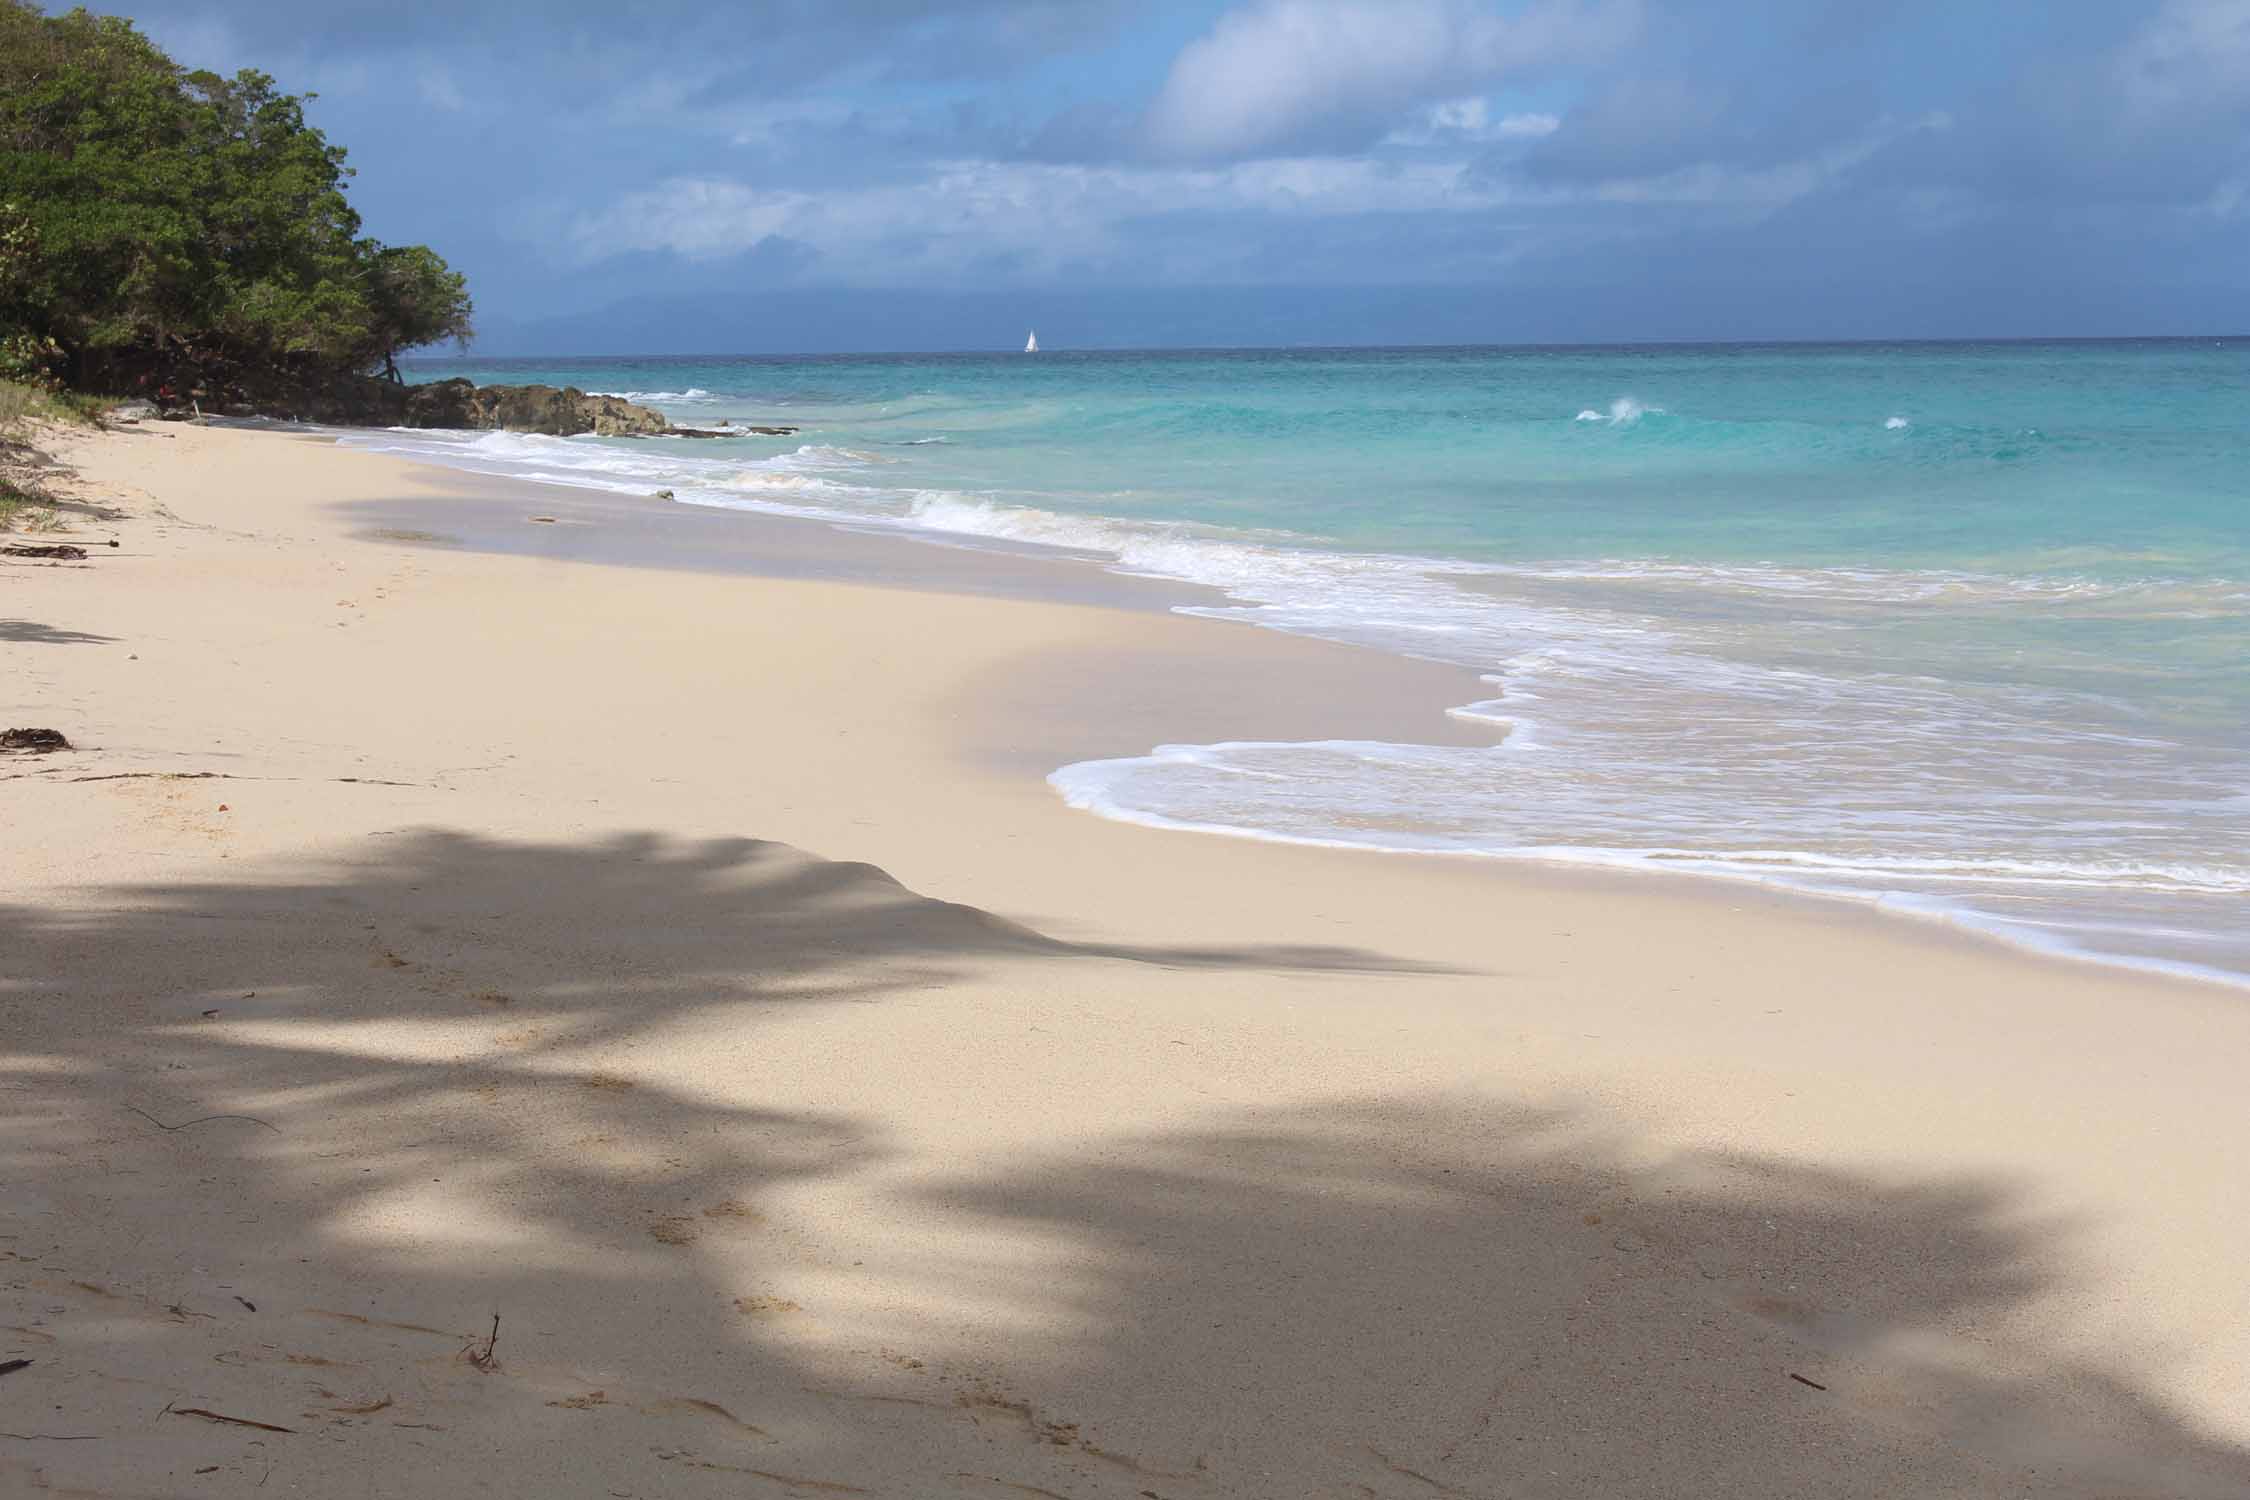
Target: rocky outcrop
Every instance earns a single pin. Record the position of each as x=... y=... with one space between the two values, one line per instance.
x=563 y=412
x=363 y=401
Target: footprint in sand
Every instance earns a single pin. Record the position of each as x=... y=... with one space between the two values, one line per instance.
x=766 y=1307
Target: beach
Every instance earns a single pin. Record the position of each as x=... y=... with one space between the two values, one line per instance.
x=653 y=929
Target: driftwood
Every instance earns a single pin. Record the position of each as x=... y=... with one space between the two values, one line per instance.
x=60 y=550
x=38 y=741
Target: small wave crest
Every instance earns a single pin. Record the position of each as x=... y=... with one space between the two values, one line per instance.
x=1896 y=424
x=1623 y=412
x=1511 y=801
x=826 y=456
x=756 y=480
x=692 y=396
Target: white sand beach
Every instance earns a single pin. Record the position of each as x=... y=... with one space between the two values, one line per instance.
x=678 y=956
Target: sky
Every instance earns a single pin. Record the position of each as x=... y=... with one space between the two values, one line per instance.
x=808 y=175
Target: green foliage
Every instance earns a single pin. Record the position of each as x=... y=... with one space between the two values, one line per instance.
x=29 y=358
x=180 y=227
x=25 y=510
x=417 y=300
x=22 y=401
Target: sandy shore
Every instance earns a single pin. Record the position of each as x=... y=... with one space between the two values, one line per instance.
x=685 y=963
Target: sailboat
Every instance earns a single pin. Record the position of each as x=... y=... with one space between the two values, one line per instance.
x=1031 y=345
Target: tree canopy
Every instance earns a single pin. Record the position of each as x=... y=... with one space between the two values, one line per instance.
x=182 y=226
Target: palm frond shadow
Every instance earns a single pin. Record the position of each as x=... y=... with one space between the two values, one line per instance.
x=1414 y=1297
x=439 y=1042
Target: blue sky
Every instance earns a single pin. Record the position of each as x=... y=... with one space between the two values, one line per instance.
x=664 y=177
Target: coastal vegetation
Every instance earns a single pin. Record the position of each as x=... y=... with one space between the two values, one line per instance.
x=25 y=503
x=176 y=233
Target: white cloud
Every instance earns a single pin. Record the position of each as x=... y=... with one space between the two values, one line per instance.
x=1043 y=216
x=1526 y=127
x=1053 y=220
x=2190 y=54
x=438 y=90
x=1270 y=71
x=1763 y=189
x=1469 y=120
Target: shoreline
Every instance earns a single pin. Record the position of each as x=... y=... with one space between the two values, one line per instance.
x=694 y=969
x=632 y=531
x=1887 y=906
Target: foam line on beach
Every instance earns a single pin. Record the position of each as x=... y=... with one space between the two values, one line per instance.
x=1635 y=735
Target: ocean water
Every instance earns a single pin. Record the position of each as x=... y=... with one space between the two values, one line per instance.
x=1962 y=629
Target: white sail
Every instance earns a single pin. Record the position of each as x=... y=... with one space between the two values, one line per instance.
x=1031 y=345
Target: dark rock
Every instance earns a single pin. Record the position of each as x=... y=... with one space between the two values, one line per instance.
x=725 y=431
x=353 y=401
x=448 y=403
x=38 y=741
x=460 y=404
x=527 y=408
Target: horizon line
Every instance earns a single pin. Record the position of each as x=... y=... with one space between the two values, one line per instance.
x=468 y=356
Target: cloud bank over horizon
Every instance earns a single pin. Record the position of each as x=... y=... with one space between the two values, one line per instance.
x=1598 y=169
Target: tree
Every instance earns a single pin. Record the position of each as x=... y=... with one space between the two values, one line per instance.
x=185 y=227
x=417 y=300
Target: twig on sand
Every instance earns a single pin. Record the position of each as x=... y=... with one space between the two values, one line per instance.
x=52 y=1437
x=213 y=1416
x=1801 y=1380
x=483 y=1359
x=9 y=1367
x=160 y=776
x=230 y=776
x=199 y=1120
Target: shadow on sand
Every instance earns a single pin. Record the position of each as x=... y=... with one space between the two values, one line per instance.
x=435 y=1046
x=32 y=633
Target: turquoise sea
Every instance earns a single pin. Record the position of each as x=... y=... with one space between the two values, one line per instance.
x=1963 y=629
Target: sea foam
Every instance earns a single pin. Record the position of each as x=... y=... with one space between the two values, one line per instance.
x=692 y=396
